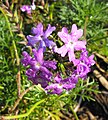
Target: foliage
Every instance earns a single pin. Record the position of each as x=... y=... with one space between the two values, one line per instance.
x=90 y=15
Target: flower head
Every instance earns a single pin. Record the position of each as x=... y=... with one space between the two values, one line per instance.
x=26 y=8
x=71 y=42
x=38 y=71
x=40 y=37
x=83 y=64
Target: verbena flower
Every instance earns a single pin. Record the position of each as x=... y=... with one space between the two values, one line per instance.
x=38 y=78
x=38 y=67
x=71 y=42
x=83 y=64
x=40 y=37
x=59 y=85
x=39 y=70
x=26 y=8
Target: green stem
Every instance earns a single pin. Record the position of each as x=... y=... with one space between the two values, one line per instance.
x=76 y=117
x=52 y=115
x=13 y=42
x=26 y=114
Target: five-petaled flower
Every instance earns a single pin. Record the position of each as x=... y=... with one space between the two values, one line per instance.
x=40 y=37
x=71 y=42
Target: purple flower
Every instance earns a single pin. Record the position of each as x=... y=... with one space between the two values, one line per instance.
x=54 y=89
x=82 y=70
x=26 y=8
x=41 y=79
x=83 y=64
x=38 y=67
x=40 y=38
x=71 y=42
x=88 y=60
x=61 y=84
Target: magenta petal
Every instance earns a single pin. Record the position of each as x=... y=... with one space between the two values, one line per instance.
x=58 y=78
x=91 y=59
x=50 y=64
x=64 y=29
x=54 y=89
x=76 y=62
x=68 y=86
x=30 y=73
x=26 y=8
x=26 y=58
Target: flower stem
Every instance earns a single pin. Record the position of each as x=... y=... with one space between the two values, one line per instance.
x=20 y=97
x=26 y=114
x=76 y=117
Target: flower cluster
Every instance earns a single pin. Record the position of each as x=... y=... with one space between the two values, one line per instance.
x=40 y=70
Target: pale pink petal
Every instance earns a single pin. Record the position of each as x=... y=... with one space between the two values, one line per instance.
x=62 y=50
x=74 y=28
x=64 y=37
x=80 y=45
x=79 y=33
x=64 y=29
x=71 y=55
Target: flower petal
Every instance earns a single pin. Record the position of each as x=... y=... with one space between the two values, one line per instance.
x=79 y=33
x=65 y=37
x=50 y=64
x=74 y=28
x=71 y=54
x=80 y=45
x=49 y=43
x=38 y=55
x=42 y=45
x=32 y=40
x=63 y=50
x=54 y=89
x=49 y=31
x=38 y=30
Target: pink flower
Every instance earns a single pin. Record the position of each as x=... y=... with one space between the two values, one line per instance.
x=26 y=8
x=71 y=42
